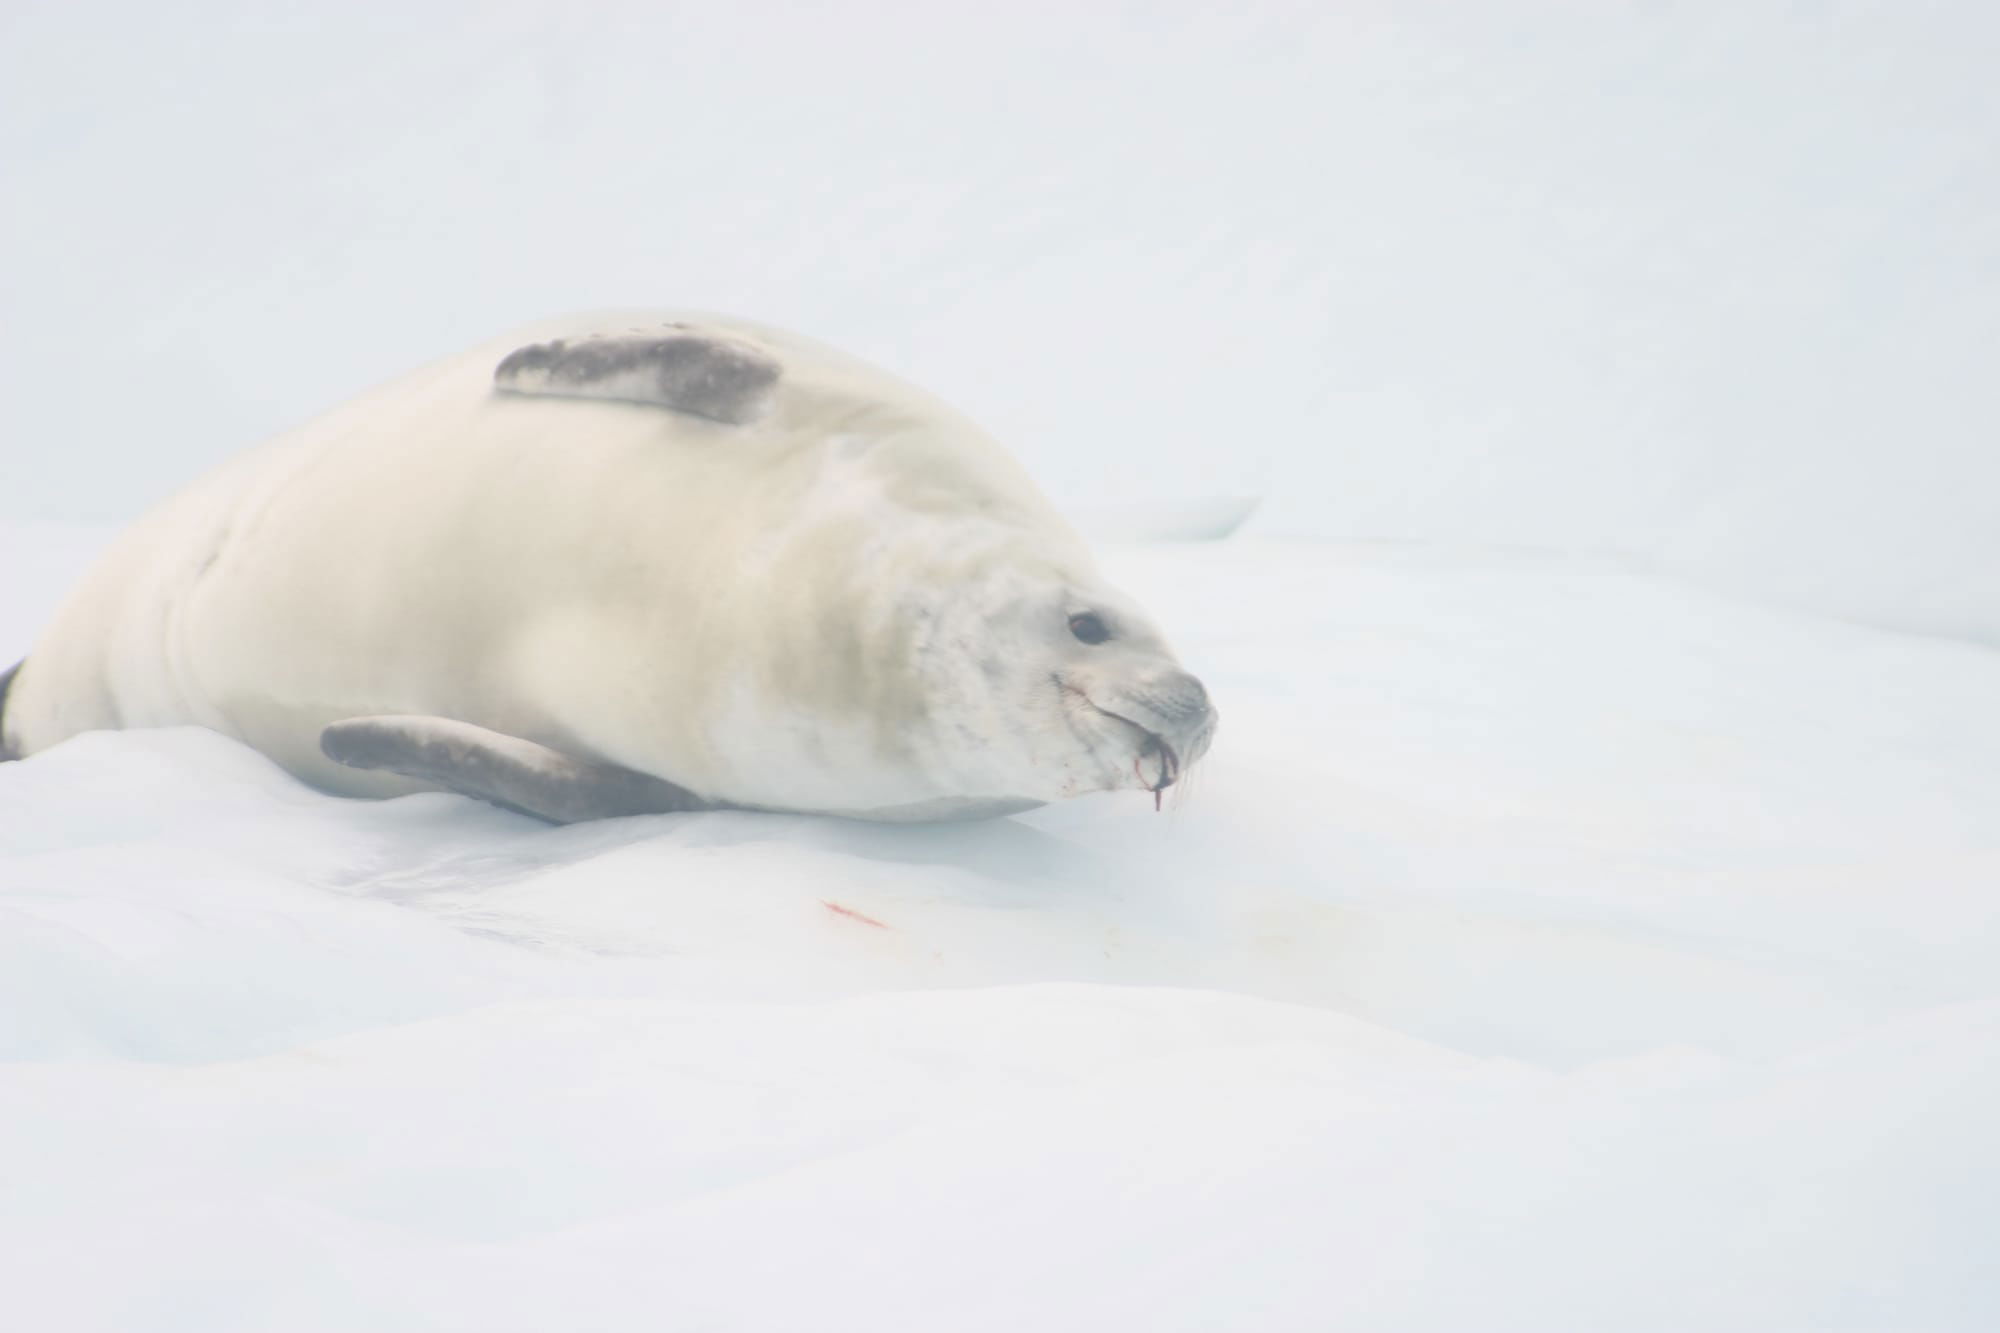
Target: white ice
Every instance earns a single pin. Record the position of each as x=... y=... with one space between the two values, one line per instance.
x=1545 y=946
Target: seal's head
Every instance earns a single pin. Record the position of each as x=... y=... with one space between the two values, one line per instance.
x=904 y=663
x=1042 y=682
x=1123 y=694
x=1102 y=704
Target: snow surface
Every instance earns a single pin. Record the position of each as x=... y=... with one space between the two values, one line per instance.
x=1544 y=946
x=1708 y=283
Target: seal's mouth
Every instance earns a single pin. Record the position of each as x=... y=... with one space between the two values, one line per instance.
x=1156 y=747
x=1154 y=750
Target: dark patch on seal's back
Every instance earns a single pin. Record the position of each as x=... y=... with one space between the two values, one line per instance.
x=703 y=374
x=6 y=684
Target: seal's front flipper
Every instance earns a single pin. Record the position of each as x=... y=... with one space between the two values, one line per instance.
x=505 y=770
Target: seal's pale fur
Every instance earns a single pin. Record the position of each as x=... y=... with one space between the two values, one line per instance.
x=847 y=600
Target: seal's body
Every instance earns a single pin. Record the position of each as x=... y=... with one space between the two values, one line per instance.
x=692 y=553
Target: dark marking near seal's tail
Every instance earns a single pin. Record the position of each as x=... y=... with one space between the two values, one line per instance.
x=703 y=374
x=6 y=684
x=503 y=770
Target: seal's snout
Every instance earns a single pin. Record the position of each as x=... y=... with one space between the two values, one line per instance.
x=1197 y=718
x=1176 y=707
x=1182 y=697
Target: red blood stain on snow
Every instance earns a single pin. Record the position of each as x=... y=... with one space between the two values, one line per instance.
x=862 y=917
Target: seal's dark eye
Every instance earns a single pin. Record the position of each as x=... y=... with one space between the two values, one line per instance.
x=1089 y=627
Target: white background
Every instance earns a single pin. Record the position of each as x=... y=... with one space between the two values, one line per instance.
x=1708 y=284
